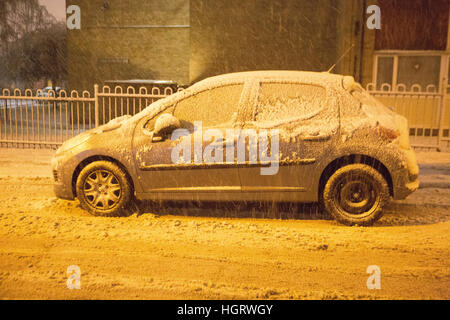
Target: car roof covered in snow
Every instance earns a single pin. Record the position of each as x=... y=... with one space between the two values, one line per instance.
x=306 y=77
x=274 y=75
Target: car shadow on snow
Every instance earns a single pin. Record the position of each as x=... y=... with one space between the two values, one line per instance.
x=258 y=210
x=398 y=213
x=395 y=213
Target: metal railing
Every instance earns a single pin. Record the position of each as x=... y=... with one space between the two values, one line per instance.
x=427 y=111
x=48 y=119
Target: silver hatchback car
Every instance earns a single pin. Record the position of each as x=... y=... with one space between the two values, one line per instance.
x=329 y=141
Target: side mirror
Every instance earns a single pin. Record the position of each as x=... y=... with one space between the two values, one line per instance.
x=165 y=125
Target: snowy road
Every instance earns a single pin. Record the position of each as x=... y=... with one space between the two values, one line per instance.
x=179 y=252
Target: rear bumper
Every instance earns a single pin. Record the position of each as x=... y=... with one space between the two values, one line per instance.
x=406 y=180
x=404 y=190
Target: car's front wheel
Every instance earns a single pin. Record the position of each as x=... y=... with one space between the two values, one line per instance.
x=103 y=189
x=356 y=194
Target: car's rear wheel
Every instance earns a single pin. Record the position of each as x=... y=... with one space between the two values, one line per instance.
x=355 y=195
x=103 y=189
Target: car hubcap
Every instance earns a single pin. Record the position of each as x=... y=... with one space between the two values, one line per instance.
x=102 y=190
x=356 y=195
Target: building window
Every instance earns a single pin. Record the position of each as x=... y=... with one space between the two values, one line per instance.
x=409 y=70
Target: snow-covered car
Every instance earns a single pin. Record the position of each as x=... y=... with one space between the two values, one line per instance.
x=329 y=141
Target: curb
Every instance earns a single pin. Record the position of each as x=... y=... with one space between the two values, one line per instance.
x=434 y=184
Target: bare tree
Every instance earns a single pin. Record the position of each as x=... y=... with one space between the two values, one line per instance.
x=33 y=43
x=18 y=17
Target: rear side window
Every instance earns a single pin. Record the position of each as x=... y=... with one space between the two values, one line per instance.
x=284 y=101
x=212 y=107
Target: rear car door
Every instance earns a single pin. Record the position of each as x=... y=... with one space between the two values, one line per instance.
x=305 y=119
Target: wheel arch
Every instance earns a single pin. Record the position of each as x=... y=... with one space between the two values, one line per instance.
x=91 y=159
x=352 y=159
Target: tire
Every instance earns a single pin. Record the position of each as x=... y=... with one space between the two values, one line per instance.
x=103 y=189
x=355 y=195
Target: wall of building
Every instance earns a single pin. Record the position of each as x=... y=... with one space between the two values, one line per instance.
x=406 y=26
x=234 y=35
x=413 y=25
x=129 y=39
x=189 y=40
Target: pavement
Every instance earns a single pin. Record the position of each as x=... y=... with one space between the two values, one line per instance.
x=434 y=169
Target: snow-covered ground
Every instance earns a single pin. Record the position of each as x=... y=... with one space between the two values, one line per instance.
x=218 y=251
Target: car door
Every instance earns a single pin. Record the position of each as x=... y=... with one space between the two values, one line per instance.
x=302 y=119
x=193 y=159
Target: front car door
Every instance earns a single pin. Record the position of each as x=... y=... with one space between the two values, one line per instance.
x=192 y=162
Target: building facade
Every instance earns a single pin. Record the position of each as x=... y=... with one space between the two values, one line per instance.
x=411 y=47
x=188 y=40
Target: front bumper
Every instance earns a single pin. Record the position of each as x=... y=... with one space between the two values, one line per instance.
x=62 y=182
x=62 y=192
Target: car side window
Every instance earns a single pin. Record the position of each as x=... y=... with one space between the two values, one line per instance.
x=212 y=107
x=284 y=101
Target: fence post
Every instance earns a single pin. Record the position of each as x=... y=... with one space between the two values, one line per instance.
x=443 y=92
x=96 y=105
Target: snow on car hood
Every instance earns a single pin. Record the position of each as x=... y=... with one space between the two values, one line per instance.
x=84 y=136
